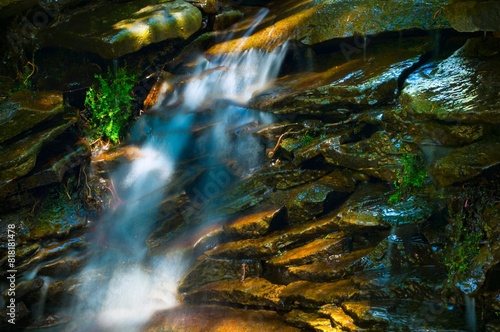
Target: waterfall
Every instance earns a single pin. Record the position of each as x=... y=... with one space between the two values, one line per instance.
x=470 y=313
x=122 y=290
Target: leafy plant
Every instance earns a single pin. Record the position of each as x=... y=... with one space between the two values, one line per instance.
x=412 y=175
x=110 y=103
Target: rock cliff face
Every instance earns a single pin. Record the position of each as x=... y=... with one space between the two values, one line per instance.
x=374 y=208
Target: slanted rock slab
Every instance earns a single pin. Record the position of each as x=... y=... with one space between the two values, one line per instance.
x=114 y=29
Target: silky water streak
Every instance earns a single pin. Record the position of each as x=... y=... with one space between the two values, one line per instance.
x=120 y=289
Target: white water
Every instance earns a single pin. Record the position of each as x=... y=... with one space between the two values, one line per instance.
x=121 y=291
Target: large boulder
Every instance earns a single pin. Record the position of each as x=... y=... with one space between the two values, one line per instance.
x=114 y=29
x=464 y=88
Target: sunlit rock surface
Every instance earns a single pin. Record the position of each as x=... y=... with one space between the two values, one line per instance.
x=114 y=29
x=360 y=75
x=470 y=16
x=464 y=88
x=209 y=318
x=312 y=22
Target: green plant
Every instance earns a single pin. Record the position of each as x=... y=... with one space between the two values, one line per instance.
x=110 y=104
x=306 y=139
x=411 y=176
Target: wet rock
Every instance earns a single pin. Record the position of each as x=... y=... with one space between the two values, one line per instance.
x=317 y=249
x=20 y=157
x=378 y=156
x=460 y=90
x=312 y=199
x=306 y=320
x=493 y=326
x=50 y=168
x=251 y=291
x=332 y=267
x=339 y=319
x=52 y=251
x=435 y=133
x=207 y=270
x=386 y=255
x=466 y=162
x=288 y=176
x=207 y=6
x=306 y=294
x=22 y=313
x=346 y=83
x=64 y=266
x=256 y=224
x=369 y=207
x=25 y=287
x=114 y=29
x=400 y=314
x=470 y=16
x=26 y=109
x=226 y=19
x=275 y=242
x=209 y=318
x=314 y=22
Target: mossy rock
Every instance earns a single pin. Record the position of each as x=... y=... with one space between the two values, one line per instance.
x=114 y=29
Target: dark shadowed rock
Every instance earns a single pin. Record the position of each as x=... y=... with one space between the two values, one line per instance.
x=470 y=16
x=26 y=109
x=207 y=270
x=467 y=162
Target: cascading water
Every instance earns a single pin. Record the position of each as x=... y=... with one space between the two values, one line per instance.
x=121 y=290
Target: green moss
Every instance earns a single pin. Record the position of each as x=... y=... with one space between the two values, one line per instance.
x=306 y=139
x=468 y=229
x=412 y=175
x=110 y=104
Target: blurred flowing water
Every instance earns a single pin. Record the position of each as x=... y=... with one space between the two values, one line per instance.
x=122 y=291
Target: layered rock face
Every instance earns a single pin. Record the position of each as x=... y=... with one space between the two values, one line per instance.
x=331 y=232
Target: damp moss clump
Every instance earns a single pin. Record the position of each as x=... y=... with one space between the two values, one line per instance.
x=411 y=176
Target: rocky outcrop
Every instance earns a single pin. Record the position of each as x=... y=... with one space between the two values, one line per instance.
x=114 y=29
x=470 y=16
x=363 y=75
x=462 y=89
x=313 y=22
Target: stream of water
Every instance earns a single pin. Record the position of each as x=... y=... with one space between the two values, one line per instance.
x=122 y=291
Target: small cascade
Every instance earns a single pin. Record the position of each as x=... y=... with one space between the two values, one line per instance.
x=391 y=240
x=365 y=42
x=129 y=286
x=470 y=313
